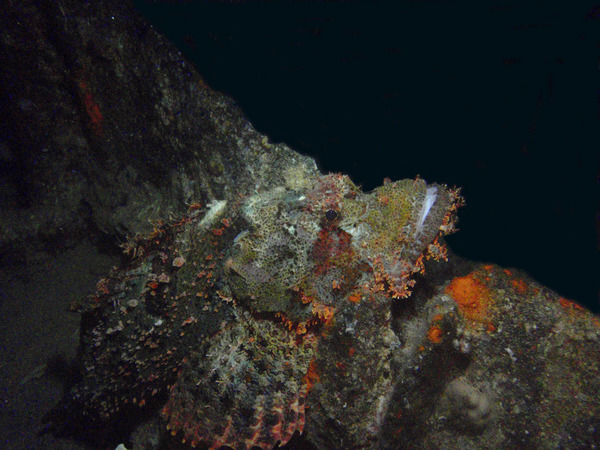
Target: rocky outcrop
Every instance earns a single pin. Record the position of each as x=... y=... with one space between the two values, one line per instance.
x=108 y=127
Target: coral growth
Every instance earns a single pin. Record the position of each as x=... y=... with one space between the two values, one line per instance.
x=473 y=298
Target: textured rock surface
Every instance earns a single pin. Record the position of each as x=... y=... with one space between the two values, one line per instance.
x=477 y=357
x=504 y=362
x=114 y=128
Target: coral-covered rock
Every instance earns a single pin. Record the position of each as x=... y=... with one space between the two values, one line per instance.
x=514 y=365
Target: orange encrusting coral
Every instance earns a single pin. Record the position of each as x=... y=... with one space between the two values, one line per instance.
x=572 y=310
x=520 y=286
x=312 y=375
x=91 y=106
x=569 y=304
x=355 y=296
x=435 y=334
x=473 y=298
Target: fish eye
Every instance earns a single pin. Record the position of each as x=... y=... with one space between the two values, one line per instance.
x=330 y=215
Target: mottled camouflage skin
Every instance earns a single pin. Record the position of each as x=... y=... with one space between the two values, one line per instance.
x=235 y=317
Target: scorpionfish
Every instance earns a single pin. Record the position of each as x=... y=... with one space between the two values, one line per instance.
x=238 y=324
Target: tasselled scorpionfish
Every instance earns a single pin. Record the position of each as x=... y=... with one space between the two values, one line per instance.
x=241 y=323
